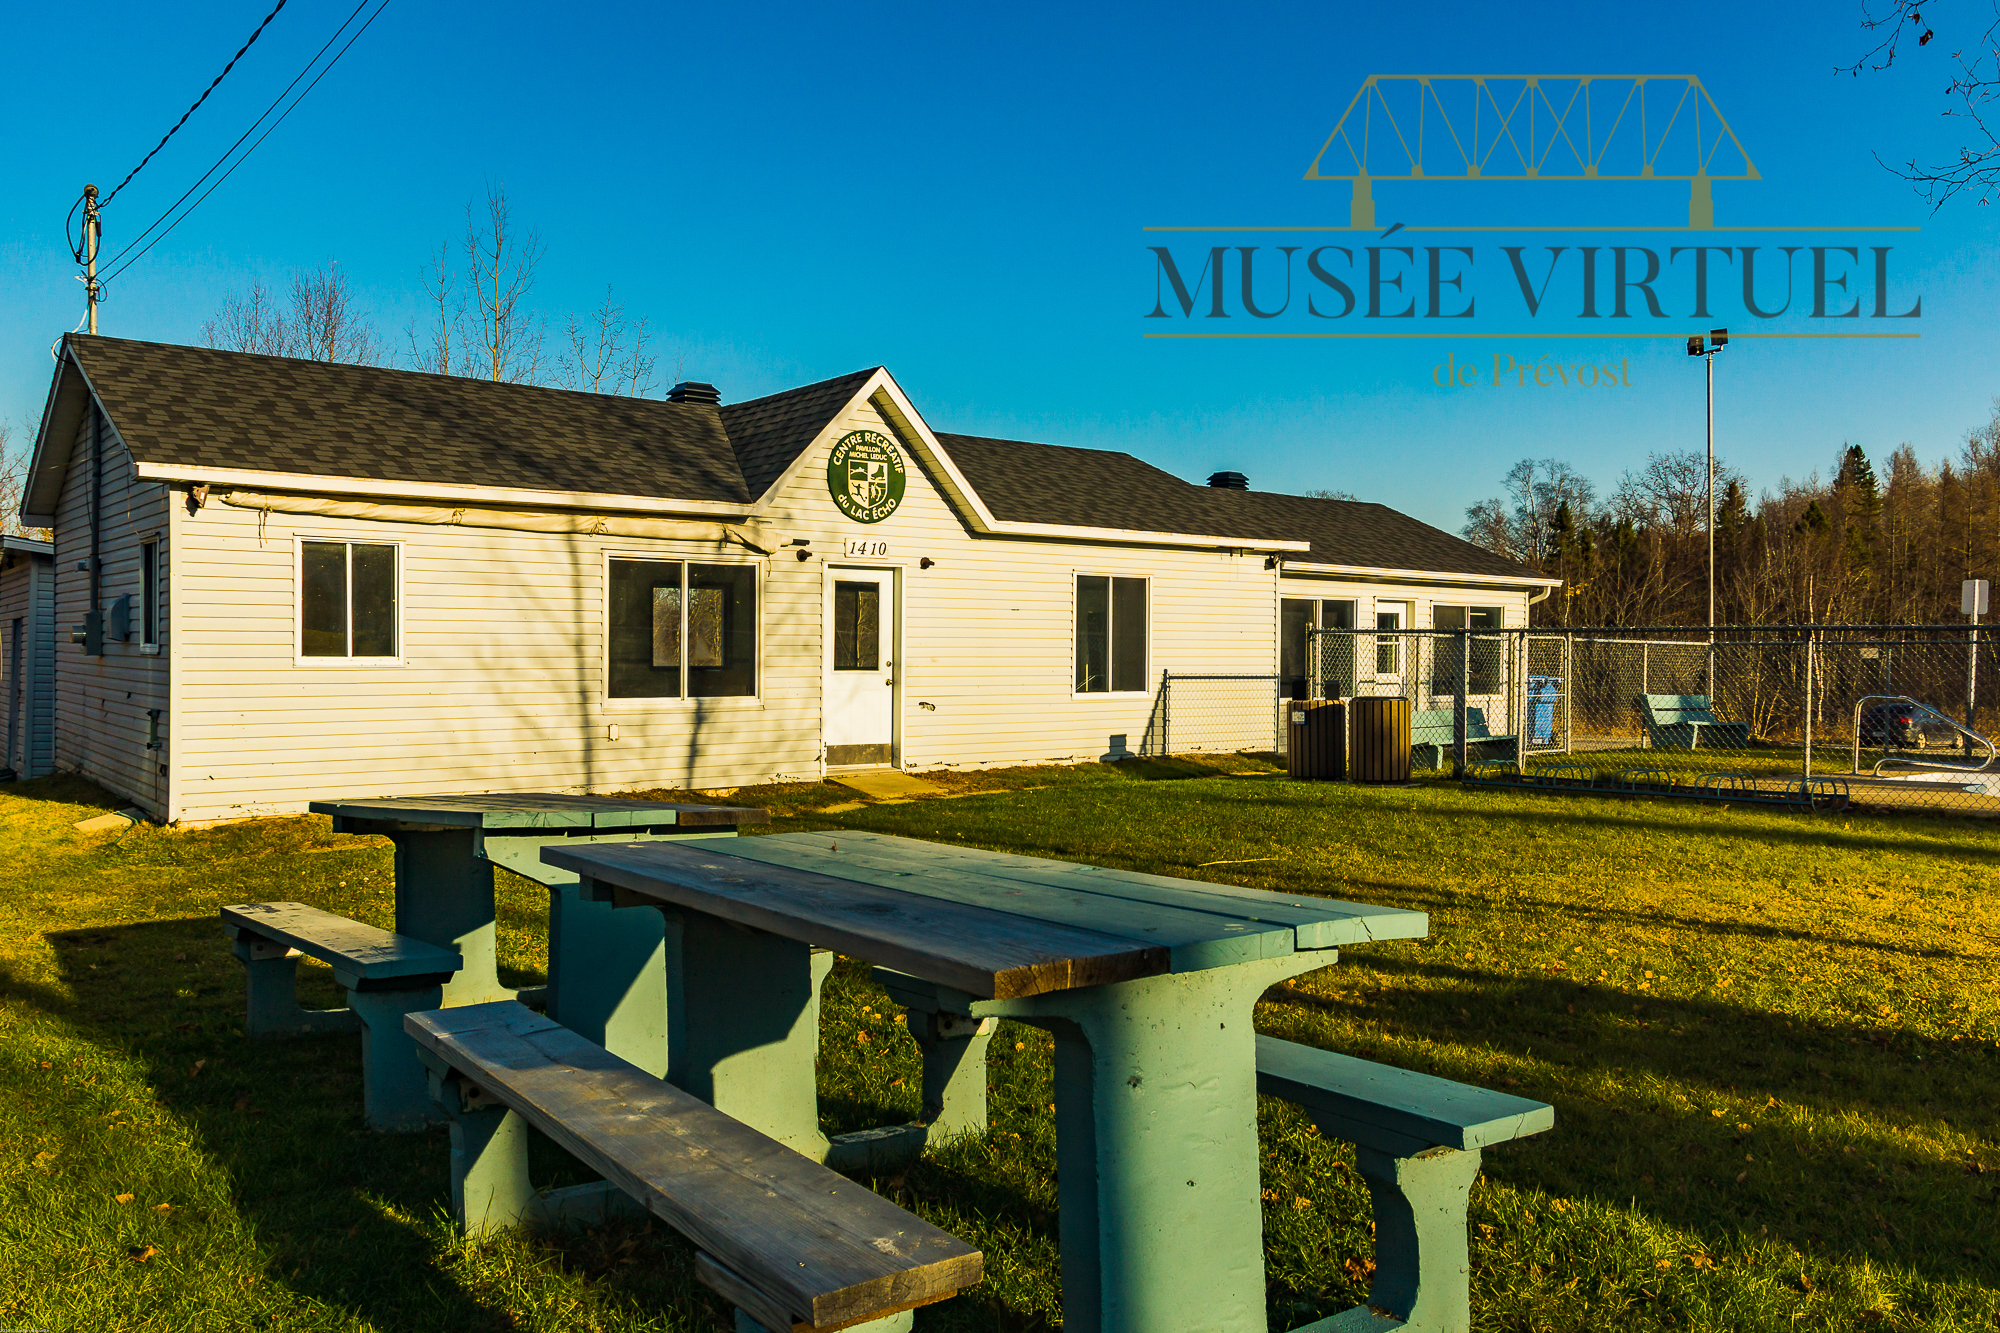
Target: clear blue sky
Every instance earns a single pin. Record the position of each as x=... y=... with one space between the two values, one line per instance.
x=960 y=193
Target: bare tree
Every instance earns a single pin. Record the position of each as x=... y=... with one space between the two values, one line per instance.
x=1671 y=494
x=1521 y=524
x=500 y=273
x=1333 y=495
x=607 y=352
x=435 y=345
x=247 y=324
x=326 y=325
x=14 y=487
x=324 y=322
x=1975 y=83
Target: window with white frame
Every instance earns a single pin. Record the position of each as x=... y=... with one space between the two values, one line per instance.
x=678 y=630
x=1482 y=674
x=149 y=595
x=347 y=600
x=1316 y=647
x=1110 y=634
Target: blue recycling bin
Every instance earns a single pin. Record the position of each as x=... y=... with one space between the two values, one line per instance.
x=1542 y=694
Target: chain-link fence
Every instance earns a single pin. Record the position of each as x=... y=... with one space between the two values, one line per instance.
x=1205 y=712
x=1833 y=715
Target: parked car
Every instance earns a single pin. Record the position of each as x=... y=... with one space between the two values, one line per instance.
x=1892 y=724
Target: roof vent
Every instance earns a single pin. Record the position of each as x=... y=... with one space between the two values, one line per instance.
x=1229 y=481
x=688 y=391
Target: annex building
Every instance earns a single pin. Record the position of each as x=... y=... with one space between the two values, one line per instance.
x=275 y=581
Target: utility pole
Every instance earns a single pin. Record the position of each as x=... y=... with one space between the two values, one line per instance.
x=91 y=235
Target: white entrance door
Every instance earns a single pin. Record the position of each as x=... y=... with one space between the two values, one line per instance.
x=860 y=722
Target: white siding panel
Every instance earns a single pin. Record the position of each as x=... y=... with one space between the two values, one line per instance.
x=101 y=703
x=27 y=706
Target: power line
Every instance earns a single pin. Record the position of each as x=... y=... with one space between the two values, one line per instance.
x=197 y=104
x=252 y=148
x=286 y=92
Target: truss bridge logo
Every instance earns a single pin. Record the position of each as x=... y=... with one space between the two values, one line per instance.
x=1530 y=127
x=1414 y=134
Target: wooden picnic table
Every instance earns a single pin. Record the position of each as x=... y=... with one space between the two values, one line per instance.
x=606 y=976
x=1146 y=983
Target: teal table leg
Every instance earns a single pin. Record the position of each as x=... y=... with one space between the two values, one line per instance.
x=608 y=976
x=953 y=1045
x=1156 y=1147
x=395 y=1094
x=743 y=1024
x=444 y=895
x=489 y=1159
x=954 y=1053
x=607 y=965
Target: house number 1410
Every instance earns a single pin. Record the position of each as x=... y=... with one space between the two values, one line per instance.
x=867 y=548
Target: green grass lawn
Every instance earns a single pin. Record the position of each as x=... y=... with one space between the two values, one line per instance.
x=1770 y=1038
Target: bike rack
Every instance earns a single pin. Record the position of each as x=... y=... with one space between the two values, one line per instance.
x=1917 y=765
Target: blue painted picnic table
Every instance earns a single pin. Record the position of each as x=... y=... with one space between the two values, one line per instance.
x=1146 y=983
x=606 y=977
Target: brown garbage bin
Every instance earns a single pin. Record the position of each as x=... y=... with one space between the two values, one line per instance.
x=1381 y=751
x=1316 y=744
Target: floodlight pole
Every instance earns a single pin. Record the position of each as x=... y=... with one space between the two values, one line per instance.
x=1706 y=349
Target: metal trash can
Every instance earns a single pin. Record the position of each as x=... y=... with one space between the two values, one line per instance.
x=1381 y=749
x=1543 y=691
x=1316 y=740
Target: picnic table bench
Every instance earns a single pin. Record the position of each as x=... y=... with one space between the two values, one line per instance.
x=1688 y=722
x=797 y=1248
x=385 y=975
x=1146 y=983
x=1417 y=1140
x=1434 y=734
x=607 y=975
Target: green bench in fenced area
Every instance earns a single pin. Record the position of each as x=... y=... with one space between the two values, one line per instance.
x=793 y=1245
x=384 y=974
x=1688 y=722
x=1434 y=734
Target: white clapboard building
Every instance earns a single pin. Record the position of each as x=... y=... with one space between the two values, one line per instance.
x=280 y=580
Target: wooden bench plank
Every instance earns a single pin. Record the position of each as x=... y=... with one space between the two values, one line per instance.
x=984 y=952
x=826 y=1249
x=370 y=953
x=1394 y=1108
x=1317 y=923
x=1196 y=938
x=537 y=810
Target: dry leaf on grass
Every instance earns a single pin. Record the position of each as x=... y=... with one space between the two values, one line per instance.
x=122 y=1198
x=141 y=1255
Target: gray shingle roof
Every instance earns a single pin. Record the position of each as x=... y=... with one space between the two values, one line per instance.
x=770 y=432
x=1047 y=483
x=199 y=407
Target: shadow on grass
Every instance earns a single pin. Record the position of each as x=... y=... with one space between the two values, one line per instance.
x=1813 y=1177
x=342 y=1215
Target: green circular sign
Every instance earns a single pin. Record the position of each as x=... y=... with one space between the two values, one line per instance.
x=865 y=475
